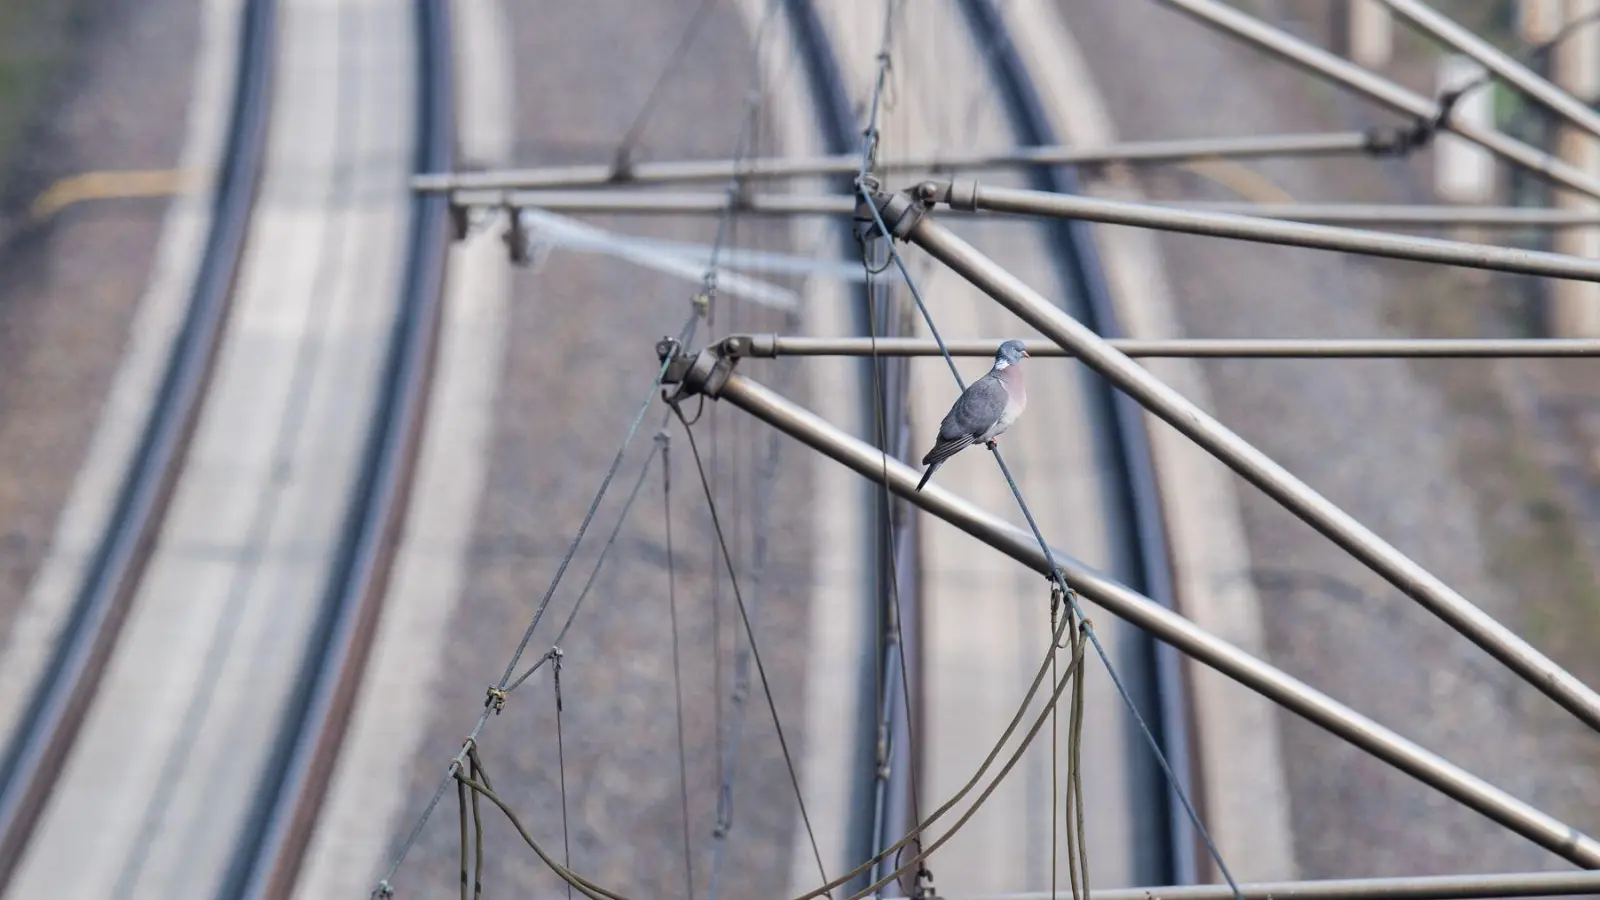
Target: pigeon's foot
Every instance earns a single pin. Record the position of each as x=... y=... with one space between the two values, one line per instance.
x=993 y=445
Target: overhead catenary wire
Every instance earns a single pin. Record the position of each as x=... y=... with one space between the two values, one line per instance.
x=498 y=692
x=1074 y=674
x=750 y=635
x=599 y=562
x=731 y=738
x=561 y=762
x=972 y=782
x=623 y=158
x=699 y=307
x=663 y=440
x=728 y=743
x=890 y=609
x=892 y=612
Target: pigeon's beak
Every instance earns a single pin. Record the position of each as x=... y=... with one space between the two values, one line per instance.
x=1026 y=354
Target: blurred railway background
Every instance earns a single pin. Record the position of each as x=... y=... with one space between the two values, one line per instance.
x=384 y=447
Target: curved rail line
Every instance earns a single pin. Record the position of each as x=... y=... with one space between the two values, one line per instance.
x=1138 y=531
x=272 y=846
x=1140 y=528
x=840 y=135
x=38 y=747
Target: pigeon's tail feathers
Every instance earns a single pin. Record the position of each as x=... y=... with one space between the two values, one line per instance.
x=947 y=448
x=942 y=451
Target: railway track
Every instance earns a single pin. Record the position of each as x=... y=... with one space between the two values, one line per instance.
x=1139 y=529
x=269 y=852
x=279 y=804
x=39 y=743
x=283 y=801
x=1161 y=840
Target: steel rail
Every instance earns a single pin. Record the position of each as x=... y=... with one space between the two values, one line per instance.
x=39 y=745
x=1135 y=518
x=272 y=845
x=972 y=195
x=762 y=168
x=1218 y=15
x=1428 y=887
x=718 y=382
x=1260 y=470
x=1447 y=31
x=775 y=345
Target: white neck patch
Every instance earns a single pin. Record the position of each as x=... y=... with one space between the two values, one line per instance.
x=1000 y=364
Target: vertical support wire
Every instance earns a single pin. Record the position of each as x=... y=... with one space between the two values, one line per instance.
x=561 y=763
x=677 y=668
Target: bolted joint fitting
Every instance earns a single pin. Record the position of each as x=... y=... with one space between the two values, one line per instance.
x=961 y=193
x=742 y=345
x=704 y=373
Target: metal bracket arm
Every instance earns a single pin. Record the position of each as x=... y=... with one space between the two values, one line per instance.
x=1163 y=623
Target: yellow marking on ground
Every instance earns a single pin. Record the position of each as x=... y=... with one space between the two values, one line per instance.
x=1245 y=182
x=110 y=185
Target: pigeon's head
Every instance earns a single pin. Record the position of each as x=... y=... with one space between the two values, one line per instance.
x=1009 y=354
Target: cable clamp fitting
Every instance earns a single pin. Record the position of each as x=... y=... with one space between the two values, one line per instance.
x=496 y=700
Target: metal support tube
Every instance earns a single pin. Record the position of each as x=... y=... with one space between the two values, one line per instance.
x=1433 y=887
x=1156 y=619
x=774 y=345
x=1271 y=231
x=661 y=202
x=1134 y=152
x=1403 y=216
x=783 y=204
x=1222 y=17
x=1259 y=469
x=1444 y=29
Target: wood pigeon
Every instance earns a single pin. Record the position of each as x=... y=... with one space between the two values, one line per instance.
x=983 y=411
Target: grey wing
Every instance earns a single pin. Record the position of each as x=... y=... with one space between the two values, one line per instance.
x=979 y=406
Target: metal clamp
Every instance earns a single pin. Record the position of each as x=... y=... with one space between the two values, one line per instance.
x=704 y=373
x=960 y=193
x=739 y=346
x=496 y=700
